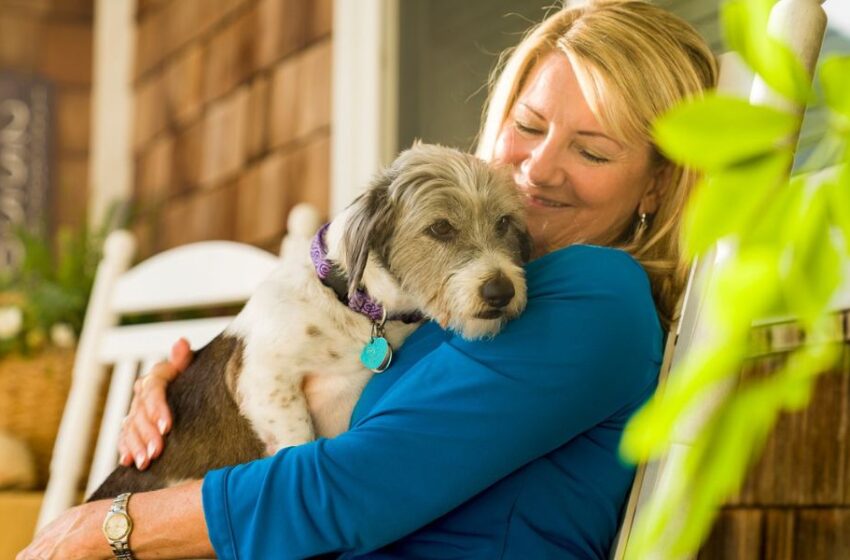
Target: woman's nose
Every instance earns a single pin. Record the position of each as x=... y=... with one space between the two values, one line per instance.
x=543 y=167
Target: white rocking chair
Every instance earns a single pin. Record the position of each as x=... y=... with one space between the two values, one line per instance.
x=208 y=274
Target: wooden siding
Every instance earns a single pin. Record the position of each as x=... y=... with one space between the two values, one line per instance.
x=795 y=502
x=232 y=120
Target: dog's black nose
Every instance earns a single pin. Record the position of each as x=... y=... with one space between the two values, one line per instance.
x=498 y=291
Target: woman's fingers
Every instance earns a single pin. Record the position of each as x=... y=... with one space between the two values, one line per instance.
x=141 y=435
x=154 y=387
x=181 y=356
x=149 y=434
x=125 y=451
x=135 y=446
x=125 y=455
x=150 y=394
x=149 y=418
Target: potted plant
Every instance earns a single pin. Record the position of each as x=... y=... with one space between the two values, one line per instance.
x=42 y=306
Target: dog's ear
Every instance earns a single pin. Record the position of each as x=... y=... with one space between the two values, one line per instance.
x=369 y=227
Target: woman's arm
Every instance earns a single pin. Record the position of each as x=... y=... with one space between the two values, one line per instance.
x=465 y=416
x=167 y=524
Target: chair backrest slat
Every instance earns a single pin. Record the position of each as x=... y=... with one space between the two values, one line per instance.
x=202 y=274
x=154 y=339
x=117 y=404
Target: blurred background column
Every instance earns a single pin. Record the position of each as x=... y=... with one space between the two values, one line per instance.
x=111 y=160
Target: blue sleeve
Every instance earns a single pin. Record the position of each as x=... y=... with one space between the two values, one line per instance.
x=460 y=419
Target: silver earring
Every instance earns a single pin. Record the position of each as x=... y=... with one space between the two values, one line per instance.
x=641 y=227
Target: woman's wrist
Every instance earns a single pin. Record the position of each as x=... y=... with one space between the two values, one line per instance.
x=99 y=546
x=170 y=523
x=87 y=531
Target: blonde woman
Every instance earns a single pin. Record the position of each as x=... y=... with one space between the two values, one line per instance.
x=491 y=449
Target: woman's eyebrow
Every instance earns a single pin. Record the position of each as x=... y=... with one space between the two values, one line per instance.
x=598 y=134
x=532 y=109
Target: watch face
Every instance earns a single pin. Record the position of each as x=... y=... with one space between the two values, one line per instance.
x=116 y=526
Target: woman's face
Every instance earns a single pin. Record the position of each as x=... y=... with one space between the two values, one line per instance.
x=580 y=185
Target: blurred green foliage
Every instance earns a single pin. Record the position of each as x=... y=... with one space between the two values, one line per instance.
x=789 y=243
x=50 y=287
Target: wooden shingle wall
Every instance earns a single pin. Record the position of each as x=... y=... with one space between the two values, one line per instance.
x=53 y=39
x=795 y=503
x=232 y=118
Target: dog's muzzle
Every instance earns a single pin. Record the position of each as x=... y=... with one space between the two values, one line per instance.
x=497 y=292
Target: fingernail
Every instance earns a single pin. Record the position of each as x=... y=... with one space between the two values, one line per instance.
x=125 y=459
x=140 y=460
x=161 y=426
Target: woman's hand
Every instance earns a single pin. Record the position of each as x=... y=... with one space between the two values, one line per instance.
x=149 y=418
x=74 y=535
x=167 y=523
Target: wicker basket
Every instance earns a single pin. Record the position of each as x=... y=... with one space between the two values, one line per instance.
x=32 y=396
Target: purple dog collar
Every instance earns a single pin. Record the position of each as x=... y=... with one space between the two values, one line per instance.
x=360 y=301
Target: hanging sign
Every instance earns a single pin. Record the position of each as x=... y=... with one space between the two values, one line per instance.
x=25 y=140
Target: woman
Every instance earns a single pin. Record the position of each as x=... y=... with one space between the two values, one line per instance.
x=491 y=449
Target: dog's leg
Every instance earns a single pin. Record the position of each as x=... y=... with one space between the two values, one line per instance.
x=280 y=416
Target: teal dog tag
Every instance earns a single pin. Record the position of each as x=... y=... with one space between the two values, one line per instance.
x=377 y=355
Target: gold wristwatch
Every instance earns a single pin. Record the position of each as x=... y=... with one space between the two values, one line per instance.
x=117 y=528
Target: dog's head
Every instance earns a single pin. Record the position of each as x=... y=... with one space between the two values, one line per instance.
x=449 y=230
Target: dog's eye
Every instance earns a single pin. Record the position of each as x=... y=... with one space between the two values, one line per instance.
x=503 y=224
x=442 y=230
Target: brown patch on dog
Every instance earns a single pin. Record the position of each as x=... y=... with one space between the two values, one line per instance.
x=313 y=330
x=209 y=432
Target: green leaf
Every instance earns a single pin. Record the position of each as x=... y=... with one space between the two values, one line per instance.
x=814 y=269
x=835 y=80
x=745 y=25
x=650 y=429
x=719 y=130
x=727 y=200
x=769 y=227
x=801 y=370
x=838 y=193
x=744 y=289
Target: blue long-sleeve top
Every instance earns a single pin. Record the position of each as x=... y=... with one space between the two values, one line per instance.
x=500 y=448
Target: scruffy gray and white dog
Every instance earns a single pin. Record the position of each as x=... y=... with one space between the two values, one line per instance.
x=438 y=232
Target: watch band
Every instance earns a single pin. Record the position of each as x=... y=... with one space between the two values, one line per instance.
x=121 y=552
x=121 y=548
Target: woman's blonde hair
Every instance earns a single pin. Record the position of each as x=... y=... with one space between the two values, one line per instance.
x=633 y=61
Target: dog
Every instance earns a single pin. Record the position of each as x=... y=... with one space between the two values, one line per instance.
x=438 y=234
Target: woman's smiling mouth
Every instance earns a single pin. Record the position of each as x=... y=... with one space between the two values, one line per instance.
x=540 y=202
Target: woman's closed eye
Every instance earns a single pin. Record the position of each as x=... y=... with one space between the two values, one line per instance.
x=529 y=130
x=592 y=158
x=526 y=129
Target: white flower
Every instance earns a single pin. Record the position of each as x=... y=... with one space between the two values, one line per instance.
x=11 y=321
x=62 y=335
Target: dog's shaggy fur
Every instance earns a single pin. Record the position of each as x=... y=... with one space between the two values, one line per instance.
x=439 y=232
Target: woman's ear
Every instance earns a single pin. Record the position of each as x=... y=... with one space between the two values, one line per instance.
x=648 y=203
